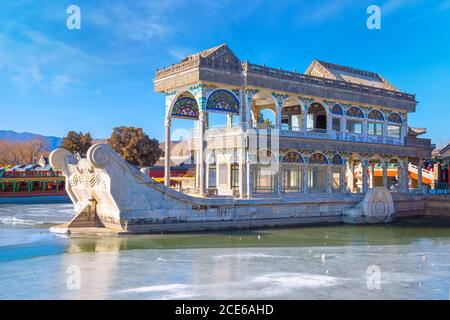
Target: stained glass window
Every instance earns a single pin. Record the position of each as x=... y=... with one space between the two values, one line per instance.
x=376 y=115
x=394 y=117
x=292 y=157
x=318 y=158
x=223 y=101
x=337 y=159
x=355 y=112
x=337 y=110
x=185 y=108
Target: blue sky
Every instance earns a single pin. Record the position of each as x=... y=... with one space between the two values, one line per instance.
x=53 y=79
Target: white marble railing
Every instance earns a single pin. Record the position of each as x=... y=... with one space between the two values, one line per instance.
x=292 y=131
x=425 y=173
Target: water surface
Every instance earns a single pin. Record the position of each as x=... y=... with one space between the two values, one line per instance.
x=299 y=263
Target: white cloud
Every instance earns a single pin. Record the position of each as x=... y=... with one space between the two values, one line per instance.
x=32 y=77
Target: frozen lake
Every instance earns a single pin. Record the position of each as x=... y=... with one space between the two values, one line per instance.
x=407 y=260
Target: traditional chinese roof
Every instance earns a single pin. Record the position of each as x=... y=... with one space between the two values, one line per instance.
x=414 y=132
x=443 y=152
x=343 y=73
x=205 y=53
x=220 y=65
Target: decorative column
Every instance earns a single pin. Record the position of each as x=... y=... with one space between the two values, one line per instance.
x=419 y=175
x=280 y=98
x=278 y=188
x=385 y=124
x=404 y=178
x=229 y=120
x=384 y=166
x=365 y=127
x=305 y=120
x=350 y=176
x=248 y=157
x=167 y=154
x=197 y=167
x=248 y=95
x=343 y=177
x=400 y=179
x=404 y=130
x=305 y=179
x=344 y=127
x=364 y=168
x=329 y=122
x=249 y=179
x=242 y=107
x=372 y=175
x=329 y=179
x=242 y=170
x=201 y=139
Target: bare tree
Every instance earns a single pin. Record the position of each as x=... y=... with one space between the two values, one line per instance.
x=12 y=153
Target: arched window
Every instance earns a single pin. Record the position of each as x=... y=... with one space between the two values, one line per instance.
x=264 y=173
x=291 y=117
x=337 y=160
x=336 y=120
x=317 y=173
x=212 y=171
x=292 y=173
x=376 y=115
x=395 y=117
x=337 y=110
x=375 y=127
x=336 y=173
x=185 y=107
x=393 y=128
x=354 y=125
x=292 y=157
x=266 y=118
x=223 y=101
x=355 y=112
x=318 y=158
x=317 y=117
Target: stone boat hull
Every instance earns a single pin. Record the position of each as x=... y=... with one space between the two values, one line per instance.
x=109 y=194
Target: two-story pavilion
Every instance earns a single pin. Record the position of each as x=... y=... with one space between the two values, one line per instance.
x=333 y=127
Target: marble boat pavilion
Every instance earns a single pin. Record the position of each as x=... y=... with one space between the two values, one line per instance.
x=336 y=129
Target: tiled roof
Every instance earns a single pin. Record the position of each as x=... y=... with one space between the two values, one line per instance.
x=344 y=73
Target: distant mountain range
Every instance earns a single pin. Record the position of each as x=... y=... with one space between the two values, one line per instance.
x=53 y=142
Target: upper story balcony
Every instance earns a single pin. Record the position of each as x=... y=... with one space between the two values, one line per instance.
x=233 y=136
x=313 y=133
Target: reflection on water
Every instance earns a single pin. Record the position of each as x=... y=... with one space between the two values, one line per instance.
x=299 y=263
